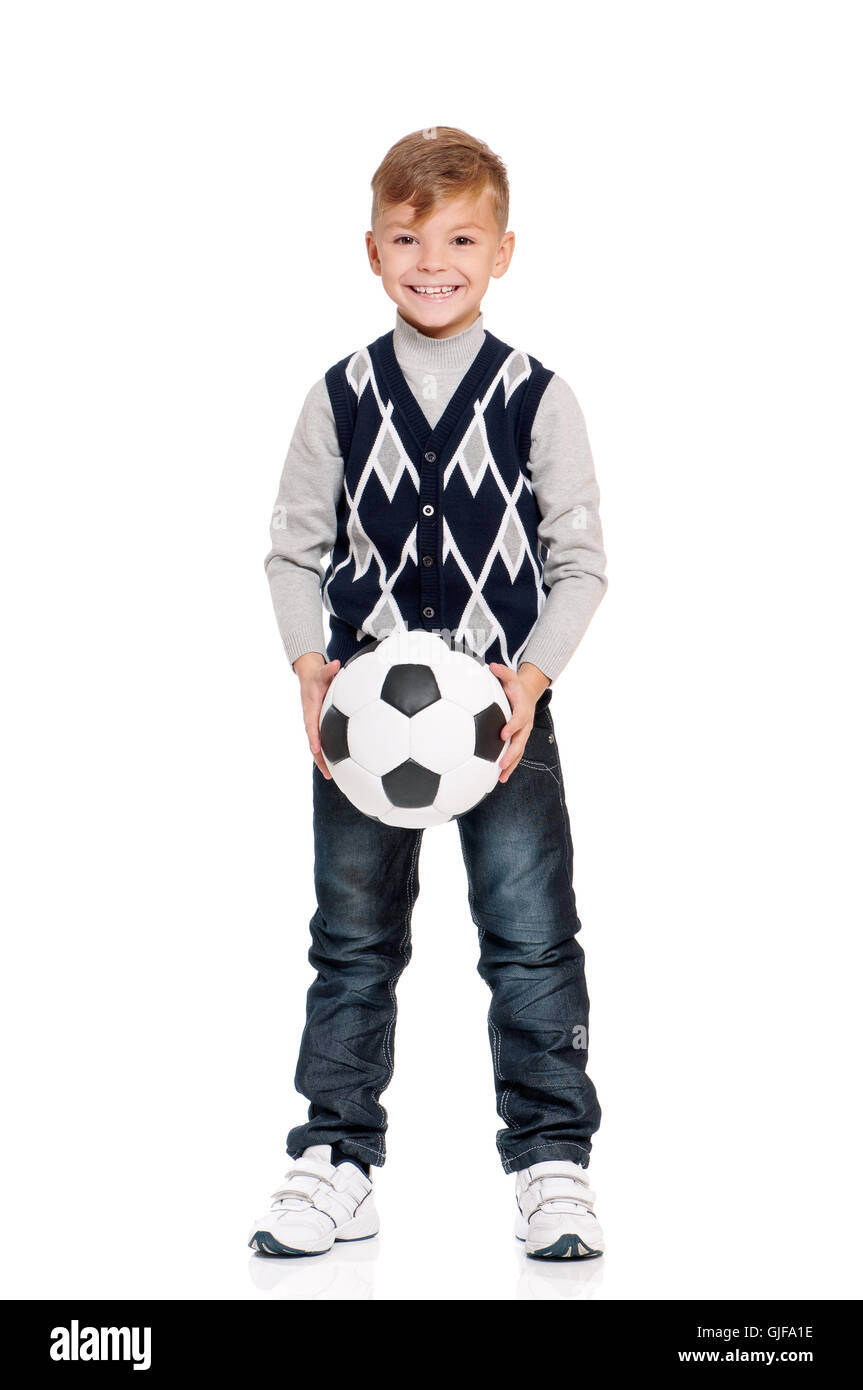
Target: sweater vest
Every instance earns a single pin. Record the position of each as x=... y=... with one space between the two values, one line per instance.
x=436 y=528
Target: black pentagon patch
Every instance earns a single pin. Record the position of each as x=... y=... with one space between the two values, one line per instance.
x=334 y=735
x=410 y=687
x=411 y=784
x=363 y=651
x=488 y=723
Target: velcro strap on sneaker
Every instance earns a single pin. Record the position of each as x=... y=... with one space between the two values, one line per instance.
x=557 y=1189
x=299 y=1183
x=353 y=1181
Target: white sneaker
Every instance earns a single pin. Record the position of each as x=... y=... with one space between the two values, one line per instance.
x=315 y=1205
x=555 y=1212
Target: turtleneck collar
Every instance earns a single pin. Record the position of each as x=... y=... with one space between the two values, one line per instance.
x=437 y=353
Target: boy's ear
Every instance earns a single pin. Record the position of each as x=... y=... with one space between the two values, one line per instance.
x=504 y=255
x=372 y=250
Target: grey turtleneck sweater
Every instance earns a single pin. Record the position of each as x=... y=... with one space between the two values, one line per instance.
x=561 y=471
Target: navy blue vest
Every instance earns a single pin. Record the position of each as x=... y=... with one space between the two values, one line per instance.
x=437 y=528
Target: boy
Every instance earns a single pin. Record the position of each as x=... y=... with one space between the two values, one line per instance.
x=449 y=478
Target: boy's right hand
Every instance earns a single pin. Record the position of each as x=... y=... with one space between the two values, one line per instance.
x=315 y=675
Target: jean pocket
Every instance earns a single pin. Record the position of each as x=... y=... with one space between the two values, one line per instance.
x=540 y=751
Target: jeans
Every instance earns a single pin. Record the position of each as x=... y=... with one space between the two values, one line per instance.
x=518 y=854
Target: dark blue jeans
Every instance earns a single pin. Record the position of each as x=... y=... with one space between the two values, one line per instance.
x=517 y=850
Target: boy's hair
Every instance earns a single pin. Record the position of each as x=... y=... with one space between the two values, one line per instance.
x=434 y=165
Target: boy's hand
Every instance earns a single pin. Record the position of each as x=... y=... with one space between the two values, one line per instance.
x=522 y=689
x=315 y=675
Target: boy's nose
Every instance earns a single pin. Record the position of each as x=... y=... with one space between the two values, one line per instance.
x=429 y=265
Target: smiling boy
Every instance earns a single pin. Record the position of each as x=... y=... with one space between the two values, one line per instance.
x=448 y=477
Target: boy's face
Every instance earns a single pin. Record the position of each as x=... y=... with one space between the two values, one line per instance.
x=457 y=250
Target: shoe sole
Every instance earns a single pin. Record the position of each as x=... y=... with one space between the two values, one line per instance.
x=564 y=1248
x=265 y=1243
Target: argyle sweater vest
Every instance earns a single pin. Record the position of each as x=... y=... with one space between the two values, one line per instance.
x=436 y=528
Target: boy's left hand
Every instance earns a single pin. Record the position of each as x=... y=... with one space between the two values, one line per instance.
x=522 y=688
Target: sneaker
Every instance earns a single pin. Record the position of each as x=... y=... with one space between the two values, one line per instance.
x=555 y=1212
x=315 y=1205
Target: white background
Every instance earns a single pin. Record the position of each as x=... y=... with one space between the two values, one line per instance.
x=186 y=191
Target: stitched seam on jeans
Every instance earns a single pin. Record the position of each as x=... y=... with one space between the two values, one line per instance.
x=552 y=1144
x=558 y=779
x=506 y=1091
x=526 y=762
x=392 y=988
x=566 y=837
x=495 y=1045
x=355 y=1143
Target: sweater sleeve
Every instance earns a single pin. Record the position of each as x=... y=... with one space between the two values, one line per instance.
x=303 y=527
x=566 y=491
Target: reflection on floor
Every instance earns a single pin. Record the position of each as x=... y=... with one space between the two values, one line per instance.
x=348 y=1272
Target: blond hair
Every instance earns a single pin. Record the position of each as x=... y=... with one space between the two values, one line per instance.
x=437 y=164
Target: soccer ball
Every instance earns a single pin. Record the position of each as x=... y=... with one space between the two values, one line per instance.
x=410 y=729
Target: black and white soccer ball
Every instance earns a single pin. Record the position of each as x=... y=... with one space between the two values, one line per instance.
x=410 y=729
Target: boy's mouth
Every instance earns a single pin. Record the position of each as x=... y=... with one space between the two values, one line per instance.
x=434 y=294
